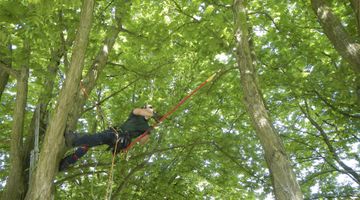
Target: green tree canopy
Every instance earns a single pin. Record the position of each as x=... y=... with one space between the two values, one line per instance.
x=162 y=50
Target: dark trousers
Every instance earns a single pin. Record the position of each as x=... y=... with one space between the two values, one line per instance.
x=105 y=137
x=86 y=141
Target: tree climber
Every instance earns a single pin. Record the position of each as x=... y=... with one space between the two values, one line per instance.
x=117 y=138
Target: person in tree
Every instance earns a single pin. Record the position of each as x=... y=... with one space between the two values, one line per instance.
x=117 y=138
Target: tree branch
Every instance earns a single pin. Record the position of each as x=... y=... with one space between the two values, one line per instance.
x=178 y=8
x=267 y=15
x=355 y=4
x=314 y=175
x=349 y=171
x=334 y=108
x=127 y=177
x=243 y=168
x=73 y=176
x=9 y=70
x=108 y=97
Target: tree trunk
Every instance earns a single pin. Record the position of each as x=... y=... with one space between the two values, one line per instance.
x=15 y=182
x=4 y=76
x=343 y=43
x=92 y=76
x=44 y=99
x=42 y=179
x=348 y=49
x=46 y=93
x=283 y=178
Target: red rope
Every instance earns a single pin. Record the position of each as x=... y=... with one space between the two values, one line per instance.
x=168 y=113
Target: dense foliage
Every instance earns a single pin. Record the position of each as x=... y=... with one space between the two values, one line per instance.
x=208 y=148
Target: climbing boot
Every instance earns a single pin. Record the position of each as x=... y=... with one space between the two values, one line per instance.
x=63 y=165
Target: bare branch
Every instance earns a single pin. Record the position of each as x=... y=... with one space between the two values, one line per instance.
x=108 y=97
x=334 y=108
x=126 y=179
x=178 y=8
x=348 y=170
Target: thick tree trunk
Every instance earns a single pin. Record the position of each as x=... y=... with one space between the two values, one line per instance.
x=46 y=94
x=92 y=76
x=15 y=182
x=42 y=179
x=343 y=43
x=283 y=178
x=43 y=101
x=336 y=33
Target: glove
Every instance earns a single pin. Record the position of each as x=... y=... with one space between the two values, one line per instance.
x=157 y=117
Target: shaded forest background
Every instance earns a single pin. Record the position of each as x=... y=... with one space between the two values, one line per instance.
x=306 y=56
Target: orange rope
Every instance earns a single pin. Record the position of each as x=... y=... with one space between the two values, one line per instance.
x=169 y=113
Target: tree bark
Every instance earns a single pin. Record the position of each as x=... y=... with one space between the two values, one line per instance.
x=92 y=76
x=336 y=33
x=47 y=92
x=43 y=102
x=42 y=179
x=15 y=182
x=4 y=76
x=355 y=4
x=283 y=178
x=348 y=49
